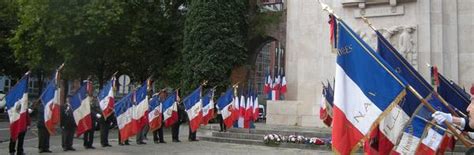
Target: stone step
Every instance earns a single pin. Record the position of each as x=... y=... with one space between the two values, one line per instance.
x=238 y=135
x=265 y=131
x=260 y=142
x=283 y=133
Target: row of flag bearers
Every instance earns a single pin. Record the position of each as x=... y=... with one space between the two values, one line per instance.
x=136 y=113
x=381 y=102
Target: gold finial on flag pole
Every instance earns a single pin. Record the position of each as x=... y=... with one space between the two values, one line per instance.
x=368 y=23
x=328 y=9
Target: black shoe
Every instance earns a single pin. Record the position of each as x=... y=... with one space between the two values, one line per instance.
x=71 y=149
x=90 y=147
x=140 y=143
x=65 y=149
x=126 y=143
x=45 y=151
x=162 y=142
x=106 y=145
x=176 y=140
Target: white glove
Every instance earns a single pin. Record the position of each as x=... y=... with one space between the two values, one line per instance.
x=471 y=135
x=98 y=115
x=440 y=117
x=30 y=110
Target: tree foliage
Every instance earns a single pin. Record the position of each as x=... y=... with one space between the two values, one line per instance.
x=98 y=37
x=214 y=41
x=8 y=22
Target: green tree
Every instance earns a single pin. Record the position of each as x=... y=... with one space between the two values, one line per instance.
x=99 y=37
x=8 y=22
x=214 y=41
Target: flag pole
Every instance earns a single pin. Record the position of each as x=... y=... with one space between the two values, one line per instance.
x=410 y=88
x=434 y=124
x=328 y=9
x=446 y=103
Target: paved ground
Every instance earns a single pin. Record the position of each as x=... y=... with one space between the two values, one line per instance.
x=185 y=147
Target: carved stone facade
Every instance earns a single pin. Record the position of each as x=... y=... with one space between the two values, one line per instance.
x=403 y=38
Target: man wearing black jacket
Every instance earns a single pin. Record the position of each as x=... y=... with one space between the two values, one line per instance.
x=181 y=119
x=68 y=127
x=158 y=134
x=20 y=139
x=89 y=134
x=43 y=134
x=104 y=130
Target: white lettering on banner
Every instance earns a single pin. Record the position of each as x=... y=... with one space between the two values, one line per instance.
x=350 y=99
x=392 y=125
x=408 y=143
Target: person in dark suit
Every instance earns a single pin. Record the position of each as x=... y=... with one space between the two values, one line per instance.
x=192 y=135
x=223 y=128
x=158 y=134
x=104 y=124
x=89 y=134
x=68 y=127
x=181 y=119
x=20 y=139
x=43 y=133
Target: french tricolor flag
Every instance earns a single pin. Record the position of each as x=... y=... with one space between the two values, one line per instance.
x=236 y=109
x=430 y=144
x=248 y=111
x=208 y=107
x=106 y=98
x=50 y=101
x=193 y=104
x=268 y=83
x=256 y=110
x=17 y=107
x=241 y=111
x=410 y=139
x=123 y=112
x=366 y=86
x=170 y=109
x=141 y=106
x=81 y=106
x=155 y=112
x=283 y=88
x=226 y=106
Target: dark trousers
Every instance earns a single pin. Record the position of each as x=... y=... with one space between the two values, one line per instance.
x=20 y=139
x=104 y=131
x=221 y=122
x=158 y=135
x=175 y=130
x=43 y=139
x=120 y=139
x=89 y=138
x=67 y=137
x=142 y=133
x=192 y=135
